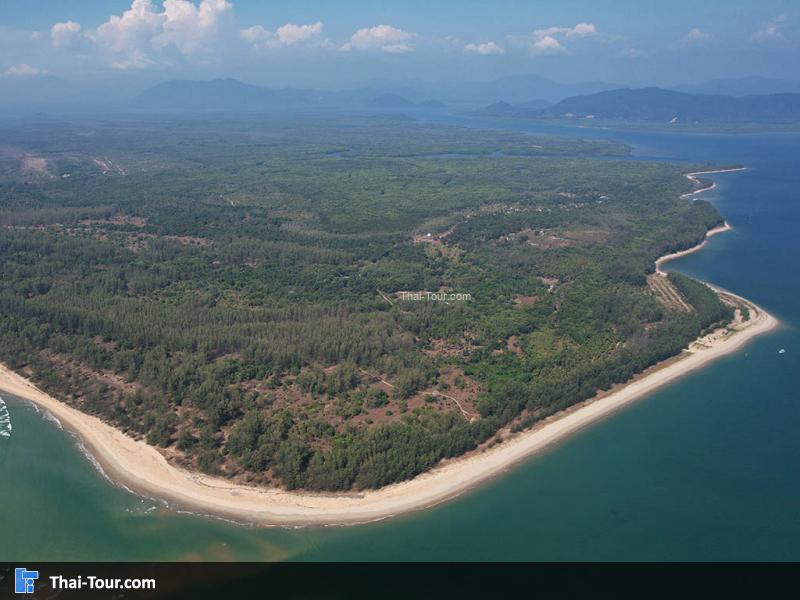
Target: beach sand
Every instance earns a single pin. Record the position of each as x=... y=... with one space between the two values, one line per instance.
x=694 y=179
x=143 y=469
x=660 y=262
x=146 y=471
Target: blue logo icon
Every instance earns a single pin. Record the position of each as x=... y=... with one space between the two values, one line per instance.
x=23 y=580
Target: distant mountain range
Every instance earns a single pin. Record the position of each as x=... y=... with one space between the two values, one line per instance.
x=517 y=89
x=660 y=105
x=741 y=86
x=228 y=95
x=513 y=96
x=47 y=91
x=525 y=91
x=231 y=94
x=520 y=96
x=656 y=104
x=504 y=109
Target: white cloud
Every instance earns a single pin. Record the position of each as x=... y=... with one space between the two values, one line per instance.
x=484 y=48
x=548 y=45
x=293 y=34
x=259 y=37
x=381 y=37
x=191 y=27
x=23 y=70
x=65 y=34
x=140 y=35
x=580 y=30
x=550 y=40
x=287 y=35
x=182 y=24
x=696 y=36
x=771 y=32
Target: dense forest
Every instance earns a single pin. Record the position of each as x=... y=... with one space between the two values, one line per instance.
x=332 y=306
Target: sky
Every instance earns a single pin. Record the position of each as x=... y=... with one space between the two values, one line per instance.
x=331 y=43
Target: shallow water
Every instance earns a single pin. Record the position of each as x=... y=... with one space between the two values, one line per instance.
x=706 y=469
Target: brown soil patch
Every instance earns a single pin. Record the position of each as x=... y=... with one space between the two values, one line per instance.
x=112 y=380
x=116 y=220
x=35 y=165
x=441 y=347
x=522 y=301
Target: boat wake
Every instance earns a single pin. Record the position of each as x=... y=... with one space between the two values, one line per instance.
x=5 y=421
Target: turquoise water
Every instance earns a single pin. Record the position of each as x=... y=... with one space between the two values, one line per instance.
x=706 y=469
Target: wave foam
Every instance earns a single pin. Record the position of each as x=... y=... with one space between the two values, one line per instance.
x=90 y=457
x=5 y=420
x=53 y=419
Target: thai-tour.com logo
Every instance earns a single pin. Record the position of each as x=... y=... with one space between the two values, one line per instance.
x=24 y=580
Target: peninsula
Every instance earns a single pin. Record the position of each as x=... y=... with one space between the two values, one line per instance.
x=312 y=323
x=143 y=469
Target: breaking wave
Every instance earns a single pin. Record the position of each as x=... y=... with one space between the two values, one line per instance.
x=53 y=419
x=5 y=421
x=90 y=457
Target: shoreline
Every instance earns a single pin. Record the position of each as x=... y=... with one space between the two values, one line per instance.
x=662 y=260
x=143 y=470
x=693 y=178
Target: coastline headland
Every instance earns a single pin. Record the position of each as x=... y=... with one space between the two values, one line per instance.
x=661 y=261
x=694 y=179
x=143 y=469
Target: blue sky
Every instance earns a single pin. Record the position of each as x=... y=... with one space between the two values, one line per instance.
x=327 y=43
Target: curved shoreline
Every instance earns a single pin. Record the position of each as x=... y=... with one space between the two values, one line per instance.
x=672 y=256
x=693 y=178
x=711 y=232
x=143 y=469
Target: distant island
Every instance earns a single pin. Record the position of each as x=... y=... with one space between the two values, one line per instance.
x=663 y=106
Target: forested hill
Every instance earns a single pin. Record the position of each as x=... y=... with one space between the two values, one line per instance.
x=217 y=94
x=231 y=95
x=334 y=306
x=656 y=104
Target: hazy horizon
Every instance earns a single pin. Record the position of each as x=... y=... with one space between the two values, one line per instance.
x=130 y=45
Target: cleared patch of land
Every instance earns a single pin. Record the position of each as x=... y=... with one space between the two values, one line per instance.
x=666 y=293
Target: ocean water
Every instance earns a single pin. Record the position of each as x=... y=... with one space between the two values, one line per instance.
x=705 y=469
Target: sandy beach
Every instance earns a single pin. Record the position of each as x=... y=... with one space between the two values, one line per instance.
x=694 y=179
x=710 y=233
x=143 y=469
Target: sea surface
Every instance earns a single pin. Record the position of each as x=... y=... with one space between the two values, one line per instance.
x=705 y=469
